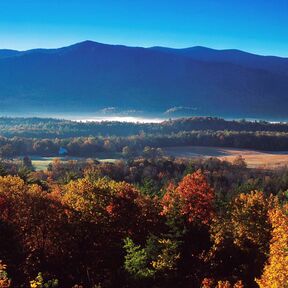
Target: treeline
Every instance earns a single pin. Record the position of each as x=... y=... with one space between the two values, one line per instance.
x=134 y=145
x=52 y=128
x=206 y=223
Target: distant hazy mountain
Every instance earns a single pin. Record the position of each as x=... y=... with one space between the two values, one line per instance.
x=269 y=63
x=4 y=53
x=89 y=77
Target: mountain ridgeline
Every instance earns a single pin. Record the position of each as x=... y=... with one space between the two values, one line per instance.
x=89 y=77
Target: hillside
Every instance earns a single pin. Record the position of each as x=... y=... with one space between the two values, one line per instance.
x=89 y=77
x=51 y=128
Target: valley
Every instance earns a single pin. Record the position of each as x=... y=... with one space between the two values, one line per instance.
x=253 y=158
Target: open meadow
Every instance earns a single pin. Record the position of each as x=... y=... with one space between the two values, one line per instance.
x=253 y=158
x=42 y=163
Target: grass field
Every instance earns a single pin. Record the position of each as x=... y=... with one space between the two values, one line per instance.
x=41 y=163
x=253 y=158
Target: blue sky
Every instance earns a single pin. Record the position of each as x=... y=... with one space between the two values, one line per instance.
x=259 y=26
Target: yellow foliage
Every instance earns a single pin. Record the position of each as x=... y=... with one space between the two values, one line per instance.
x=275 y=273
x=93 y=198
x=238 y=284
x=223 y=284
x=247 y=220
x=11 y=185
x=5 y=282
x=34 y=215
x=168 y=258
x=209 y=283
x=227 y=284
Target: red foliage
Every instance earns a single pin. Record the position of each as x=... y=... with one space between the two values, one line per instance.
x=193 y=198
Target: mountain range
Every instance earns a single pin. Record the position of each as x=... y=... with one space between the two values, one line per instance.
x=91 y=77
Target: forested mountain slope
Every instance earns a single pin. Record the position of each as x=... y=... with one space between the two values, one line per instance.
x=89 y=76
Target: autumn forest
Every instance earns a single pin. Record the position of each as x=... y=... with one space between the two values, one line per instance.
x=143 y=222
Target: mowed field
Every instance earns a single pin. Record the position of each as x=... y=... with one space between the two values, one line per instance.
x=42 y=163
x=253 y=158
